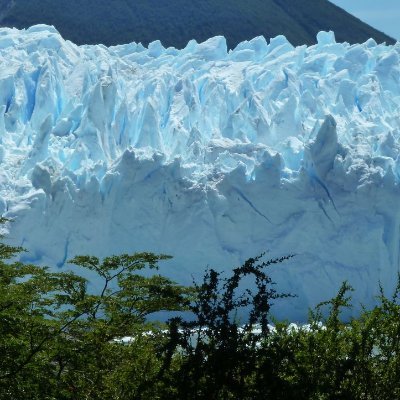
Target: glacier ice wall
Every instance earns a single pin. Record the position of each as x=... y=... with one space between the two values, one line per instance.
x=208 y=155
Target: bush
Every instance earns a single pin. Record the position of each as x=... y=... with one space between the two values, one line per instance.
x=59 y=341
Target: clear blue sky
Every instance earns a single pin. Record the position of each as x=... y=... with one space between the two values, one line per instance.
x=383 y=15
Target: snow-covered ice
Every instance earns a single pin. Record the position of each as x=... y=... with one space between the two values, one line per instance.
x=208 y=155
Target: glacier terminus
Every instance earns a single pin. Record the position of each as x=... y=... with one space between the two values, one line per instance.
x=209 y=155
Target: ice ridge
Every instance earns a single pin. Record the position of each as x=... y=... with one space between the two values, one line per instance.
x=210 y=155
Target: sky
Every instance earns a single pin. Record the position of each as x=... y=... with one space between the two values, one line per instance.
x=383 y=15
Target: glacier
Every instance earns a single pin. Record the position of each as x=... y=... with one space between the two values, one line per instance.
x=209 y=155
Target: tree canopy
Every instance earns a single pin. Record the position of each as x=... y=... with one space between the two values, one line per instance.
x=58 y=340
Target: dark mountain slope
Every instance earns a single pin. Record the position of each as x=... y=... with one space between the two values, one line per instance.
x=175 y=22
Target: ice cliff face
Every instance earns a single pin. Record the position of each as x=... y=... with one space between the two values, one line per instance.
x=207 y=155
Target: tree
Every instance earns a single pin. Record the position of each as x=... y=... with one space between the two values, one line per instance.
x=220 y=353
x=57 y=338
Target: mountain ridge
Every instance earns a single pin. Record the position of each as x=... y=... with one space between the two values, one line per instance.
x=177 y=22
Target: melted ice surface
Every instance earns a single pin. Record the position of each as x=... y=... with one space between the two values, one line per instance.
x=208 y=155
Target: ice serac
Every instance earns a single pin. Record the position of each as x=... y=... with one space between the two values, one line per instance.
x=321 y=153
x=208 y=155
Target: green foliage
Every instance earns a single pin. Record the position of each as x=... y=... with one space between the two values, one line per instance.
x=222 y=356
x=60 y=341
x=57 y=340
x=330 y=359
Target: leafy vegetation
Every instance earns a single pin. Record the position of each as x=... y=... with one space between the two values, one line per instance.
x=60 y=341
x=176 y=22
x=57 y=340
